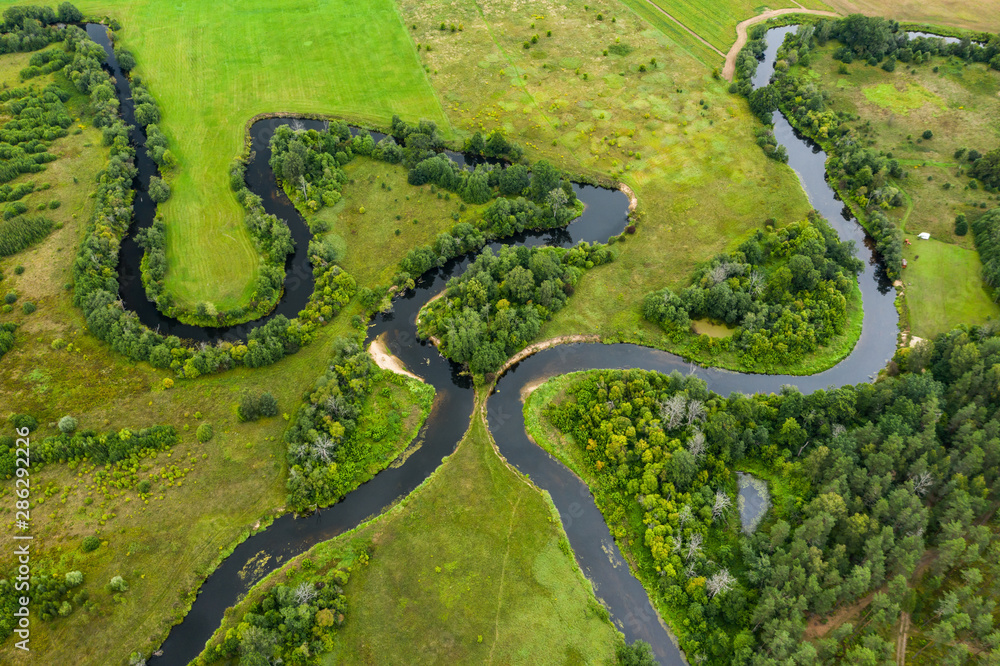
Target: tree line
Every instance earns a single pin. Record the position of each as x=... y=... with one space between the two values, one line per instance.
x=498 y=305
x=986 y=234
x=865 y=479
x=785 y=290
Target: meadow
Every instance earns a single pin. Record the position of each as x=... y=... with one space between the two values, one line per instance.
x=959 y=104
x=333 y=57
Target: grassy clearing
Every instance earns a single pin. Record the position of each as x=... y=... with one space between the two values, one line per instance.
x=373 y=246
x=475 y=568
x=980 y=15
x=213 y=67
x=944 y=288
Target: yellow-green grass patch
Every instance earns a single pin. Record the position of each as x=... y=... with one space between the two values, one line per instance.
x=944 y=288
x=901 y=98
x=711 y=328
x=979 y=15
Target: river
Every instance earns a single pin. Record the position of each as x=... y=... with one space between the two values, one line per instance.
x=605 y=215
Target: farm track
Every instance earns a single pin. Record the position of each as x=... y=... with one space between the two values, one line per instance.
x=729 y=70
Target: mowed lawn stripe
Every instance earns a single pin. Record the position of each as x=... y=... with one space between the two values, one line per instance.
x=213 y=66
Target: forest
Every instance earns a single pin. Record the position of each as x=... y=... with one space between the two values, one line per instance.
x=497 y=306
x=784 y=290
x=869 y=481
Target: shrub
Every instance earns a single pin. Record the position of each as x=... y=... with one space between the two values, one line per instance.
x=267 y=405
x=67 y=424
x=143 y=487
x=28 y=308
x=168 y=383
x=159 y=191
x=247 y=411
x=90 y=544
x=24 y=421
x=204 y=432
x=118 y=584
x=18 y=270
x=55 y=203
x=10 y=298
x=74 y=578
x=961 y=225
x=928 y=134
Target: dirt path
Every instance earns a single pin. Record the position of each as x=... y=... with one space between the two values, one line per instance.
x=741 y=33
x=904 y=630
x=386 y=360
x=689 y=30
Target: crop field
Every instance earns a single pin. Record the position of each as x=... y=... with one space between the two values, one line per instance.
x=336 y=57
x=980 y=15
x=960 y=105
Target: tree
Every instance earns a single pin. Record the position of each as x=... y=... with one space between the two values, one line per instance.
x=544 y=179
x=146 y=114
x=159 y=191
x=118 y=584
x=68 y=13
x=67 y=424
x=764 y=102
x=636 y=654
x=961 y=225
x=928 y=134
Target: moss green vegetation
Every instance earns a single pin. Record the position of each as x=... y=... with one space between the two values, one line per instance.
x=660 y=452
x=715 y=22
x=329 y=58
x=959 y=104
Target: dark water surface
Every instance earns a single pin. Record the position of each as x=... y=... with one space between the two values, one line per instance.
x=605 y=215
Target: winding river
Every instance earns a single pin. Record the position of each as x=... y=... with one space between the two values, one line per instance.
x=595 y=551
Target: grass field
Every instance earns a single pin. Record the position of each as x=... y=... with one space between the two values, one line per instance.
x=373 y=246
x=214 y=66
x=474 y=569
x=979 y=15
x=944 y=288
x=961 y=105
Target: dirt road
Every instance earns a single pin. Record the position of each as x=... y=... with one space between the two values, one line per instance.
x=741 y=33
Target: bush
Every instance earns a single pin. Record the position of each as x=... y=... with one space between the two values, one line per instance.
x=28 y=308
x=928 y=134
x=118 y=584
x=74 y=578
x=24 y=421
x=159 y=191
x=204 y=432
x=143 y=487
x=18 y=270
x=67 y=424
x=90 y=544
x=961 y=225
x=267 y=405
x=10 y=298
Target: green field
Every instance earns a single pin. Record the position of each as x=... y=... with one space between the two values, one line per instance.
x=944 y=288
x=979 y=15
x=213 y=67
